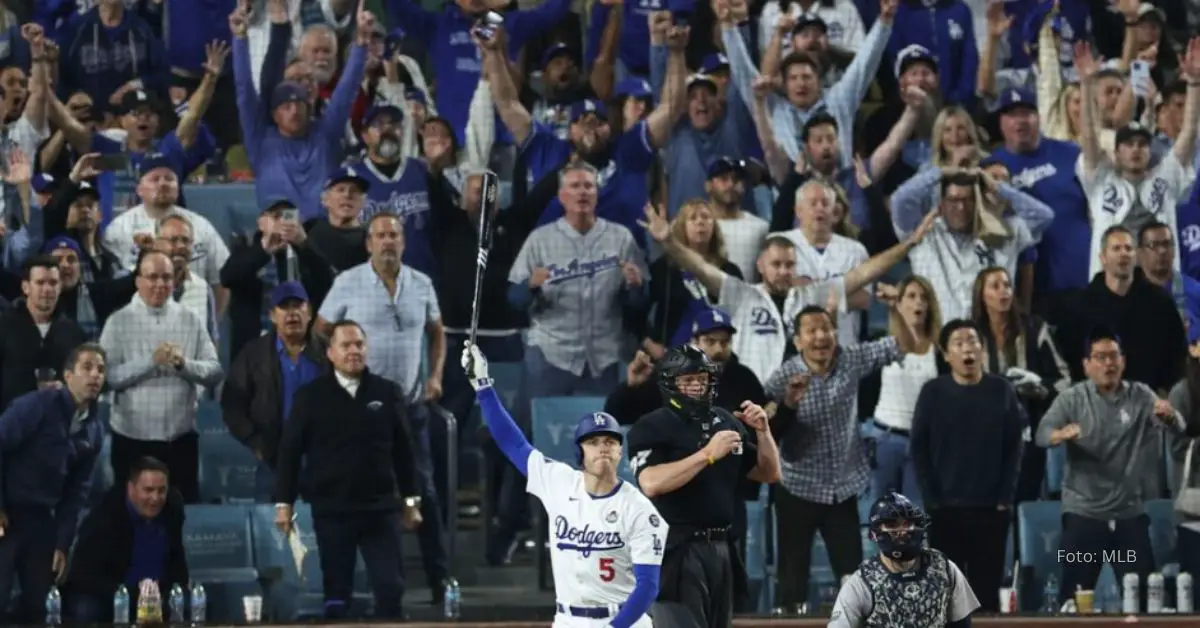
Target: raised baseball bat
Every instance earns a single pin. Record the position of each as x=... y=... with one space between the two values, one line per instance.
x=489 y=193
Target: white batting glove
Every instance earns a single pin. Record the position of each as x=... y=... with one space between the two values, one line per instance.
x=475 y=366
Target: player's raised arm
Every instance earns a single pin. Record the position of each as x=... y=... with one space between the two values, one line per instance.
x=505 y=432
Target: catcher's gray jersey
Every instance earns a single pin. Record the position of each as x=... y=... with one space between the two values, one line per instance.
x=576 y=320
x=932 y=596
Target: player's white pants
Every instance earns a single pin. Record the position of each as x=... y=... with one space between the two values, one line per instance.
x=563 y=620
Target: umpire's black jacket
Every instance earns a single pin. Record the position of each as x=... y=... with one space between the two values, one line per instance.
x=104 y=549
x=242 y=275
x=252 y=397
x=358 y=451
x=736 y=384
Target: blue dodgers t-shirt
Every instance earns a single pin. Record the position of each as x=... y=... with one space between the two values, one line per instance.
x=118 y=190
x=624 y=188
x=1187 y=218
x=405 y=194
x=1048 y=174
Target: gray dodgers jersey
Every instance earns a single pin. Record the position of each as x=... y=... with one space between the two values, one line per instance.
x=932 y=596
x=576 y=320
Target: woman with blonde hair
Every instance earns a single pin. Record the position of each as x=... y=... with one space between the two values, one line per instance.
x=916 y=307
x=1021 y=348
x=676 y=296
x=955 y=141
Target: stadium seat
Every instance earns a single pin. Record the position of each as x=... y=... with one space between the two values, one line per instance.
x=554 y=420
x=227 y=470
x=208 y=418
x=507 y=378
x=1056 y=469
x=219 y=548
x=1039 y=526
x=295 y=594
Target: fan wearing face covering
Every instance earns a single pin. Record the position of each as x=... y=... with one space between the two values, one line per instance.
x=396 y=184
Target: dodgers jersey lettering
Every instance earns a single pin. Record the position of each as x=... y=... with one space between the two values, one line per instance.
x=595 y=540
x=405 y=194
x=838 y=257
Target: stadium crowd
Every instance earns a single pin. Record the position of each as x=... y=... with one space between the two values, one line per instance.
x=935 y=238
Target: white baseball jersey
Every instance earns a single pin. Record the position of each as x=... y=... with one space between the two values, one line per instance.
x=743 y=238
x=1112 y=199
x=839 y=257
x=764 y=330
x=209 y=252
x=594 y=541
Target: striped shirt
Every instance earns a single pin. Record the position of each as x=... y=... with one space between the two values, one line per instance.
x=824 y=462
x=153 y=402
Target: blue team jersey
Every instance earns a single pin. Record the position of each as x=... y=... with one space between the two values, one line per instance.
x=405 y=194
x=624 y=181
x=1048 y=174
x=118 y=189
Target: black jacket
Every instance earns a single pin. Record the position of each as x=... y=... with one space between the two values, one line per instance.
x=104 y=264
x=104 y=549
x=23 y=350
x=736 y=384
x=342 y=248
x=358 y=451
x=250 y=399
x=458 y=236
x=242 y=274
x=670 y=298
x=107 y=295
x=1146 y=319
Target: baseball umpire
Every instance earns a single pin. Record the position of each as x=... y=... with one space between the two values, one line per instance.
x=907 y=585
x=689 y=458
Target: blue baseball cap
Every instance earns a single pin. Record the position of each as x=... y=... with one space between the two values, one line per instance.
x=85 y=189
x=42 y=182
x=1015 y=98
x=725 y=165
x=700 y=78
x=714 y=62
x=807 y=20
x=416 y=95
x=1132 y=130
x=61 y=242
x=634 y=88
x=712 y=319
x=396 y=112
x=288 y=291
x=154 y=161
x=278 y=202
x=584 y=107
x=348 y=173
x=914 y=53
x=288 y=91
x=555 y=51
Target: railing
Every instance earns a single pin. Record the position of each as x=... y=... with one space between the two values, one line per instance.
x=450 y=491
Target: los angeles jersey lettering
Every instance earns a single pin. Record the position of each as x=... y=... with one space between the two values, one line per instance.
x=406 y=194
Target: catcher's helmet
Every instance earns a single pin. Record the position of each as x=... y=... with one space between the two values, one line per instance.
x=592 y=424
x=898 y=544
x=687 y=360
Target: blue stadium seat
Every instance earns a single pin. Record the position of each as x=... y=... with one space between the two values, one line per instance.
x=220 y=556
x=1056 y=468
x=231 y=208
x=507 y=378
x=1039 y=526
x=295 y=594
x=227 y=470
x=208 y=418
x=554 y=420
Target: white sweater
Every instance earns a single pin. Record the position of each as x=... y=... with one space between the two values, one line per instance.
x=900 y=384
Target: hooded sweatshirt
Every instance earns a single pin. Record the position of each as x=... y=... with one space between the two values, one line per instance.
x=945 y=28
x=97 y=59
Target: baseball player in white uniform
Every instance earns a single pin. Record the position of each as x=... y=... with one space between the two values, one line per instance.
x=765 y=313
x=1126 y=190
x=606 y=538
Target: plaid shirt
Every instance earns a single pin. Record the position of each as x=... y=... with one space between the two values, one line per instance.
x=823 y=460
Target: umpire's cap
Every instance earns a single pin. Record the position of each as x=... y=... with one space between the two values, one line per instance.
x=592 y=424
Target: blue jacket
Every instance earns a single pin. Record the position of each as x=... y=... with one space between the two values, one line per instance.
x=948 y=31
x=41 y=464
x=455 y=57
x=97 y=59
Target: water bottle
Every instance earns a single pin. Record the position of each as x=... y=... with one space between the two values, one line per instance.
x=176 y=602
x=1131 y=603
x=1183 y=592
x=450 y=605
x=1155 y=590
x=53 y=607
x=121 y=606
x=1050 y=596
x=199 y=604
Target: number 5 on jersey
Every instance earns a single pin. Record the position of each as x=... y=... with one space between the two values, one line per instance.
x=607 y=572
